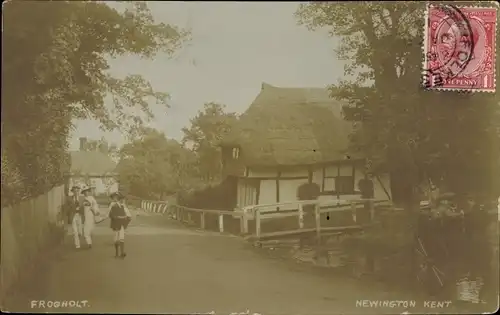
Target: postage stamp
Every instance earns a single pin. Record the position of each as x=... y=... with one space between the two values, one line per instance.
x=459 y=48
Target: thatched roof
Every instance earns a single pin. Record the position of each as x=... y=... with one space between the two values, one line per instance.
x=91 y=163
x=291 y=126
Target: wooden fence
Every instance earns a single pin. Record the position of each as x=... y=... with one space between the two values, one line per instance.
x=28 y=228
x=258 y=214
x=316 y=208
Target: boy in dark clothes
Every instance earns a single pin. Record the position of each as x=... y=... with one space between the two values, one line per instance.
x=120 y=218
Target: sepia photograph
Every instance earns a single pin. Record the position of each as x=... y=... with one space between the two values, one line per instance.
x=250 y=158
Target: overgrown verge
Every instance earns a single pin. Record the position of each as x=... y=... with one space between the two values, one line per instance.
x=30 y=230
x=465 y=248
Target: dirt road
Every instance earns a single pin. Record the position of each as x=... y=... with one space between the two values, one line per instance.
x=172 y=269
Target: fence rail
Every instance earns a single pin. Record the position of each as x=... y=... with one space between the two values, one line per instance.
x=260 y=213
x=316 y=207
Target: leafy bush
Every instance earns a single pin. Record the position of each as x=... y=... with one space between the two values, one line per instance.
x=308 y=191
x=217 y=197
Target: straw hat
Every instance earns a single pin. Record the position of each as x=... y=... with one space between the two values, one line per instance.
x=86 y=188
x=117 y=194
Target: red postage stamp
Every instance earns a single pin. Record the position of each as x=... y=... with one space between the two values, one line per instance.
x=459 y=48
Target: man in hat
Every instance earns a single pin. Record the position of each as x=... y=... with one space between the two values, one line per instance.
x=120 y=218
x=90 y=209
x=75 y=214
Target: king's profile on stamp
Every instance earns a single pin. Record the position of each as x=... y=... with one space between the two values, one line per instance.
x=459 y=48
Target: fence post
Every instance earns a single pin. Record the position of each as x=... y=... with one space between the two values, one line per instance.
x=178 y=213
x=372 y=210
x=353 y=209
x=257 y=223
x=317 y=215
x=221 y=223
x=244 y=222
x=202 y=220
x=189 y=217
x=301 y=216
x=319 y=248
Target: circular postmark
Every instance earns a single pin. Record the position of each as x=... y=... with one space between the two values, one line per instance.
x=450 y=43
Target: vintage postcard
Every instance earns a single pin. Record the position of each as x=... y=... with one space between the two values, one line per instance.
x=274 y=158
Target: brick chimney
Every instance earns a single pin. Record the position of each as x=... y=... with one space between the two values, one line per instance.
x=83 y=144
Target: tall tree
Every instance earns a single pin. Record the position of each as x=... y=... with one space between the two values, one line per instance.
x=412 y=133
x=152 y=166
x=55 y=69
x=409 y=131
x=204 y=135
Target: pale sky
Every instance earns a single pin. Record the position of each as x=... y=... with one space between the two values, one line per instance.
x=235 y=47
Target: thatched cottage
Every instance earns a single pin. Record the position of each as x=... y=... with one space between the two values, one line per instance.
x=292 y=136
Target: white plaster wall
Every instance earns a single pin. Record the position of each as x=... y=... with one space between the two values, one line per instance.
x=267 y=191
x=331 y=170
x=273 y=172
x=317 y=176
x=288 y=187
x=329 y=184
x=377 y=187
x=346 y=170
x=247 y=194
x=262 y=172
x=358 y=174
x=303 y=171
x=288 y=191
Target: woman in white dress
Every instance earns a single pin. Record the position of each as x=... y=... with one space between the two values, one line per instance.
x=90 y=211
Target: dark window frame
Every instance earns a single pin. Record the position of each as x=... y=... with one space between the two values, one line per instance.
x=338 y=190
x=340 y=187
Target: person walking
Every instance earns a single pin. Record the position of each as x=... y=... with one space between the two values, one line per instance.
x=120 y=217
x=75 y=215
x=90 y=210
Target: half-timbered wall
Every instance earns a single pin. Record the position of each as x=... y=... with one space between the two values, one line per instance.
x=247 y=192
x=272 y=185
x=288 y=190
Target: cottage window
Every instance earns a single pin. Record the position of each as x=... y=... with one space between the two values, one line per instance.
x=344 y=184
x=236 y=153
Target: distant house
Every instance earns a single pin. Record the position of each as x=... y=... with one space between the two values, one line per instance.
x=292 y=136
x=91 y=165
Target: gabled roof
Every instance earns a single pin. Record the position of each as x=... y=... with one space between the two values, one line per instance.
x=291 y=126
x=91 y=163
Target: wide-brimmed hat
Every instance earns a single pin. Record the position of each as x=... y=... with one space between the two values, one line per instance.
x=85 y=188
x=117 y=195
